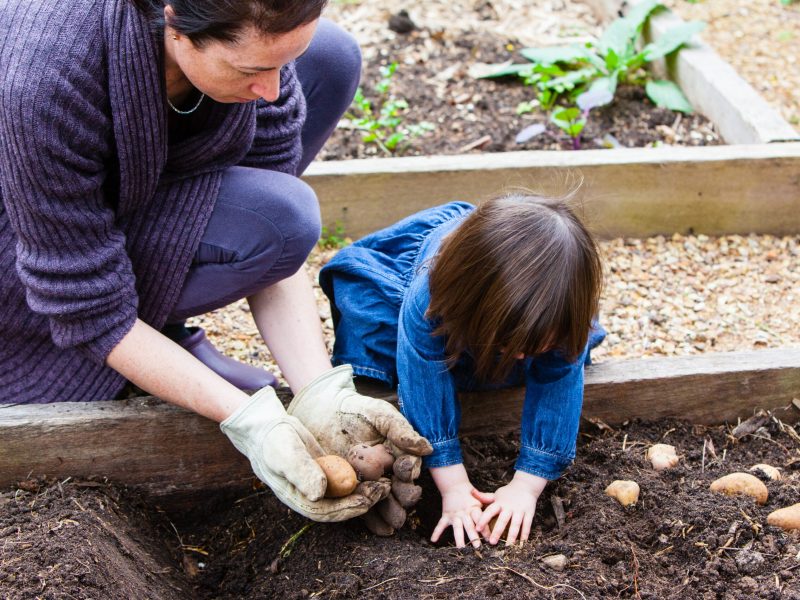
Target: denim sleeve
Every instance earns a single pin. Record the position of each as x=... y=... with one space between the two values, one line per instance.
x=426 y=390
x=551 y=414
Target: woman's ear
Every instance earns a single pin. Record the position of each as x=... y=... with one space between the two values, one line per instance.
x=169 y=14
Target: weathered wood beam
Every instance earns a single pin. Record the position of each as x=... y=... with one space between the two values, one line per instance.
x=632 y=192
x=167 y=451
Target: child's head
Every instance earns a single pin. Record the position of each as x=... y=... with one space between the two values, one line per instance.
x=520 y=275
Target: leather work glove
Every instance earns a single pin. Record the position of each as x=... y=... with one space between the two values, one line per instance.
x=339 y=417
x=282 y=451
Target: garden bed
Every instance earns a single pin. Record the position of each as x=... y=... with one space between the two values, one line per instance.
x=479 y=115
x=680 y=540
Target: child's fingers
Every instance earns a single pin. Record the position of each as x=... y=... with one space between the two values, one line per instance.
x=482 y=497
x=513 y=529
x=489 y=513
x=458 y=532
x=499 y=527
x=476 y=513
x=527 y=521
x=472 y=534
x=439 y=529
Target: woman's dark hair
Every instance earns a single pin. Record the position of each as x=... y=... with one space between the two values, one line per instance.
x=203 y=21
x=521 y=274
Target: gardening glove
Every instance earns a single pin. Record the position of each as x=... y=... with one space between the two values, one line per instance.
x=282 y=451
x=339 y=417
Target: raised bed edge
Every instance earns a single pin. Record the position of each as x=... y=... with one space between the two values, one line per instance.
x=169 y=452
x=711 y=85
x=632 y=192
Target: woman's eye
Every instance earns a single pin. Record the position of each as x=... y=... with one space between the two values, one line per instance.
x=248 y=74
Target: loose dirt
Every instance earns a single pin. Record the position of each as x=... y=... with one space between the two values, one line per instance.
x=679 y=541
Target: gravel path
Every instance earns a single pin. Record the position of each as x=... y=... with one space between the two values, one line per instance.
x=760 y=39
x=663 y=296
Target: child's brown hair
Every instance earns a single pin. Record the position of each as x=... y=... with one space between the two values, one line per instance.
x=521 y=274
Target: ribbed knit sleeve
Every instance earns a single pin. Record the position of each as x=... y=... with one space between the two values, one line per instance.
x=55 y=136
x=277 y=145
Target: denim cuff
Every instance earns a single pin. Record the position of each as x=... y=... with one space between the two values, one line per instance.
x=539 y=462
x=445 y=453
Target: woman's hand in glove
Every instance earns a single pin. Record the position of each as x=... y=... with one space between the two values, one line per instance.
x=282 y=452
x=339 y=417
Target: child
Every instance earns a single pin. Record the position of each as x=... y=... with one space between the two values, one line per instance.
x=463 y=298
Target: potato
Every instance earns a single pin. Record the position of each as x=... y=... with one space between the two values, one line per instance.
x=341 y=477
x=662 y=456
x=391 y=512
x=376 y=524
x=370 y=462
x=768 y=470
x=407 y=494
x=408 y=467
x=786 y=518
x=741 y=483
x=623 y=491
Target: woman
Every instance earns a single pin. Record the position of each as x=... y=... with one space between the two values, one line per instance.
x=148 y=170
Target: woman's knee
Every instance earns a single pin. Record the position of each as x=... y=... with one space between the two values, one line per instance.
x=273 y=219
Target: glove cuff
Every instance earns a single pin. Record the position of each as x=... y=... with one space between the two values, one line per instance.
x=336 y=379
x=262 y=408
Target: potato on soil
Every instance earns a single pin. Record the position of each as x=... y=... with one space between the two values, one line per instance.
x=623 y=491
x=341 y=477
x=407 y=494
x=408 y=467
x=741 y=483
x=376 y=524
x=786 y=518
x=370 y=462
x=662 y=456
x=768 y=470
x=391 y=512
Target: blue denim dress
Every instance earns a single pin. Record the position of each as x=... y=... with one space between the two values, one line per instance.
x=379 y=293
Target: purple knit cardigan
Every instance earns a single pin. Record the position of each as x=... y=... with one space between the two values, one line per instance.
x=100 y=216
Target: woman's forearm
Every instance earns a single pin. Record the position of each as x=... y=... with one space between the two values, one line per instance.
x=162 y=368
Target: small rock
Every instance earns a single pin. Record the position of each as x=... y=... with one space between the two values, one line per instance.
x=401 y=23
x=749 y=561
x=557 y=562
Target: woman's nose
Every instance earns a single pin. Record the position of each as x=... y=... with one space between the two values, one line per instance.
x=268 y=86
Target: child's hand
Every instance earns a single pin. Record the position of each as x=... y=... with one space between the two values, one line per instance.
x=514 y=503
x=461 y=509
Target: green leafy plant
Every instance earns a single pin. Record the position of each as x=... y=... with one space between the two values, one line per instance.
x=561 y=74
x=383 y=123
x=333 y=240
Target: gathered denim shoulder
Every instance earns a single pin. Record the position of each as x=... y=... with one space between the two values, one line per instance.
x=368 y=282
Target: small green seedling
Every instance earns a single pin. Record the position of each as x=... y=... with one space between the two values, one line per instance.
x=561 y=74
x=333 y=240
x=383 y=123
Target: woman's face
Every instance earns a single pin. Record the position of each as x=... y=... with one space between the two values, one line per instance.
x=240 y=72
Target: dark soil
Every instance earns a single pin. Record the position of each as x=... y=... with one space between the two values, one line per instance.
x=679 y=541
x=433 y=77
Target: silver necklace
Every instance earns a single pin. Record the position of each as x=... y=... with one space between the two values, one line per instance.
x=186 y=112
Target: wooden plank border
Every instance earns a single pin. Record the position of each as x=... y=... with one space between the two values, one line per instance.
x=712 y=86
x=167 y=451
x=633 y=192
